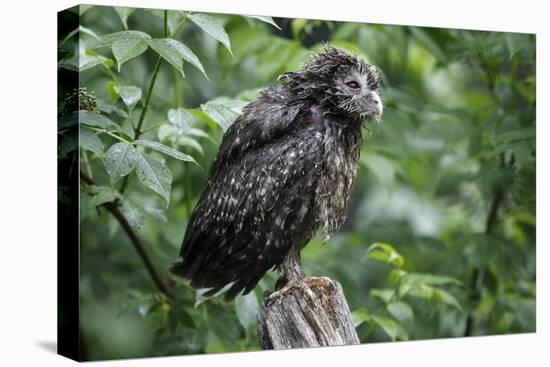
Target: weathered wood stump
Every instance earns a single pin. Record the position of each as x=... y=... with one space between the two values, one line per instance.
x=313 y=314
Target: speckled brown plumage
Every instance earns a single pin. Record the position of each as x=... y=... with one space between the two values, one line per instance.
x=284 y=171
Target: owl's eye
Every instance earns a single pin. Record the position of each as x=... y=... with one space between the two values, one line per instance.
x=353 y=84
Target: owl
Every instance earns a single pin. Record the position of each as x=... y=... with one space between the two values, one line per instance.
x=284 y=172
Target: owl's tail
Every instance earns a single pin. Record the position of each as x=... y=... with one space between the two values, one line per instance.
x=178 y=269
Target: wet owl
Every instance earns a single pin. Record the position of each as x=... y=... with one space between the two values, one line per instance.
x=284 y=172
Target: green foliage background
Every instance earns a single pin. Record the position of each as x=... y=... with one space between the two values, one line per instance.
x=440 y=236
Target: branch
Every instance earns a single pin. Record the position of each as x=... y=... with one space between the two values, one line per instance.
x=476 y=280
x=136 y=241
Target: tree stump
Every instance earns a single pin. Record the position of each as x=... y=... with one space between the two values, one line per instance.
x=313 y=314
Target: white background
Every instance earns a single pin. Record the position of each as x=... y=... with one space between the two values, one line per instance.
x=28 y=182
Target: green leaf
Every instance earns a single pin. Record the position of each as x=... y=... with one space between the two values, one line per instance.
x=180 y=118
x=123 y=14
x=120 y=160
x=401 y=311
x=90 y=141
x=432 y=294
x=110 y=87
x=83 y=59
x=200 y=298
x=179 y=315
x=170 y=134
x=186 y=319
x=513 y=135
x=360 y=316
x=199 y=114
x=167 y=133
x=396 y=275
x=265 y=19
x=150 y=207
x=155 y=145
x=167 y=51
x=185 y=54
x=110 y=109
x=392 y=328
x=96 y=120
x=78 y=30
x=108 y=39
x=449 y=299
x=201 y=134
x=247 y=309
x=223 y=111
x=133 y=214
x=102 y=195
x=186 y=141
x=384 y=294
x=93 y=119
x=430 y=279
x=384 y=252
x=128 y=48
x=212 y=26
x=297 y=25
x=83 y=9
x=154 y=175
x=425 y=39
x=89 y=59
x=68 y=144
x=421 y=291
x=175 y=53
x=68 y=120
x=157 y=213
x=130 y=95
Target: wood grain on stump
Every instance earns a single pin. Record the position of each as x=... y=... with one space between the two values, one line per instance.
x=313 y=314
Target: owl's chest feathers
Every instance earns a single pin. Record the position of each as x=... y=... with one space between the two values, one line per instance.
x=340 y=152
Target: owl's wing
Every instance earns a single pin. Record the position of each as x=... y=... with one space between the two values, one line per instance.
x=270 y=117
x=252 y=212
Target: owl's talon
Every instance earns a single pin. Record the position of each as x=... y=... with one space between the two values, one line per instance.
x=324 y=282
x=288 y=288
x=305 y=285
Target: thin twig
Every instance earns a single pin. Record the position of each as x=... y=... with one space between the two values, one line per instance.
x=109 y=133
x=155 y=126
x=136 y=241
x=152 y=82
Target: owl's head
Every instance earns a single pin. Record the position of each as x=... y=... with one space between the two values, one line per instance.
x=341 y=82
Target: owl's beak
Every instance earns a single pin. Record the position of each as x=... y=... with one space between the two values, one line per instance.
x=374 y=106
